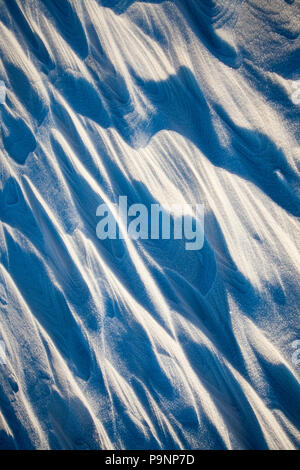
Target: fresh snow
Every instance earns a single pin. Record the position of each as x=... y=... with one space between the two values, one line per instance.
x=142 y=344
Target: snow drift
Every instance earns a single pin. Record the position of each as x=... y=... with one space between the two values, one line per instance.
x=122 y=344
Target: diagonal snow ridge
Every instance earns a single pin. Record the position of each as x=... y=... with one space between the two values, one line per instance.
x=142 y=344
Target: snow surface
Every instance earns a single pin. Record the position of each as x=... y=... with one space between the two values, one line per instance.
x=123 y=344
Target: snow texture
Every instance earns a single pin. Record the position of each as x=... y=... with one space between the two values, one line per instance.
x=123 y=344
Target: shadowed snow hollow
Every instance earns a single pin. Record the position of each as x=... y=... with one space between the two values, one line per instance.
x=143 y=344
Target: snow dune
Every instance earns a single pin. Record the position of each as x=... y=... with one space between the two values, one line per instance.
x=123 y=344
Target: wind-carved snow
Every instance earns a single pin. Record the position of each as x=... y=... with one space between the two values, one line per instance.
x=122 y=344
